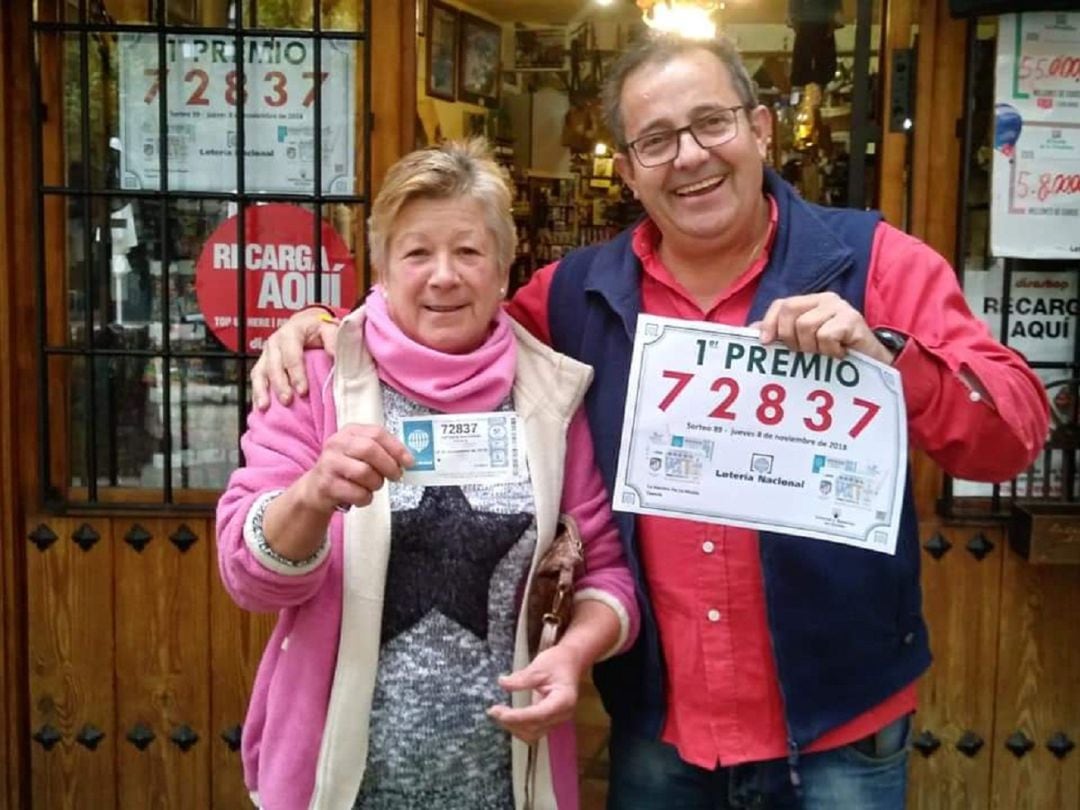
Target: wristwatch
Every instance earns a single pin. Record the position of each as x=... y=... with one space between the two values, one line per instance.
x=891 y=339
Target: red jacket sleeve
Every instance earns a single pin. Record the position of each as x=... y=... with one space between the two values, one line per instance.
x=973 y=405
x=529 y=306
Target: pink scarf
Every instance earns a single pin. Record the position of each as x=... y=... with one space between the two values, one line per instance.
x=452 y=383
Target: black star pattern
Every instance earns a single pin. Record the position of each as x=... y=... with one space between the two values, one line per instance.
x=442 y=556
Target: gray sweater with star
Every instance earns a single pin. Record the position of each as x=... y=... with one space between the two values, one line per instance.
x=458 y=560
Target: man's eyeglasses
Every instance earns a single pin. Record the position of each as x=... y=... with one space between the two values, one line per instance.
x=710 y=130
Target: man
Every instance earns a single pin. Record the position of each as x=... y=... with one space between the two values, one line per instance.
x=771 y=671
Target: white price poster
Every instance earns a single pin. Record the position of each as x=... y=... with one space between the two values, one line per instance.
x=1036 y=158
x=722 y=429
x=203 y=88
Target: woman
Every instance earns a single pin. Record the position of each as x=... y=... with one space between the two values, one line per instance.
x=400 y=605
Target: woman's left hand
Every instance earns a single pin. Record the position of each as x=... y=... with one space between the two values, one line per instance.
x=553 y=675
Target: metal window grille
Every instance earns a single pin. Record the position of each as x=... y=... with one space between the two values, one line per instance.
x=92 y=24
x=1053 y=478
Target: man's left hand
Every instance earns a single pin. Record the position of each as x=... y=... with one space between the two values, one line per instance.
x=822 y=323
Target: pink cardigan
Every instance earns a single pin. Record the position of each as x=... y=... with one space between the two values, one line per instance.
x=284 y=725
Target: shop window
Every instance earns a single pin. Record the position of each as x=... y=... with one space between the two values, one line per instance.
x=815 y=65
x=177 y=139
x=1030 y=304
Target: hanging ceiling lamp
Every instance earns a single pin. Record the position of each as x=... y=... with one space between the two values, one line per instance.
x=687 y=18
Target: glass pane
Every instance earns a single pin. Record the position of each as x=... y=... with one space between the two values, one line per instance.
x=343 y=15
x=204 y=421
x=342 y=109
x=191 y=224
x=61 y=99
x=67 y=436
x=66 y=271
x=348 y=227
x=106 y=420
x=216 y=13
x=976 y=197
x=62 y=96
x=124 y=437
x=279 y=14
x=127 y=251
x=104 y=144
x=56 y=10
x=280 y=142
x=123 y=11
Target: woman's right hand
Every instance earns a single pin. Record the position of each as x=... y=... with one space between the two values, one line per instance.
x=280 y=367
x=353 y=465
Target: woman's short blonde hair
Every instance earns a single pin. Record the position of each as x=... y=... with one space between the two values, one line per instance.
x=450 y=170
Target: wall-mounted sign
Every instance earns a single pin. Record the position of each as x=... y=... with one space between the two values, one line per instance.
x=281 y=272
x=1036 y=160
x=1040 y=316
x=202 y=90
x=1042 y=310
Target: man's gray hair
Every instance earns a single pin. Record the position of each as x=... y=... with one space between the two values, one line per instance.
x=450 y=170
x=658 y=49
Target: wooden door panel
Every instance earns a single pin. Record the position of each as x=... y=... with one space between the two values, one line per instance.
x=237 y=638
x=162 y=664
x=960 y=599
x=71 y=653
x=1038 y=686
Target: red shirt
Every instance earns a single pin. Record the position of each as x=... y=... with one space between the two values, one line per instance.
x=964 y=392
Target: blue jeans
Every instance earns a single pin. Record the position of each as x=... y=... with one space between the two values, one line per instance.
x=870 y=774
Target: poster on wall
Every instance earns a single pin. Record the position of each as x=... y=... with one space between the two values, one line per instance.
x=1036 y=159
x=202 y=88
x=1040 y=318
x=281 y=275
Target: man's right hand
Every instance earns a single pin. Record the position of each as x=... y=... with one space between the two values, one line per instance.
x=281 y=365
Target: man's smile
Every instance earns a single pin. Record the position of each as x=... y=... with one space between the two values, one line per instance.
x=701 y=186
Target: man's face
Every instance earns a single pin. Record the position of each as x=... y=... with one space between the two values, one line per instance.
x=703 y=197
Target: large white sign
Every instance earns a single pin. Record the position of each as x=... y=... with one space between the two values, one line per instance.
x=203 y=89
x=1036 y=161
x=722 y=429
x=1040 y=315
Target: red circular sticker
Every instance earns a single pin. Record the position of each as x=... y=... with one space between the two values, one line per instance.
x=279 y=257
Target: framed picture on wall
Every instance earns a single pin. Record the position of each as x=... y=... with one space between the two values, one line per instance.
x=480 y=44
x=540 y=48
x=442 y=50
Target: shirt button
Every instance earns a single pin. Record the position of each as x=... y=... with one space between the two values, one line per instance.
x=975 y=396
x=708 y=547
x=714 y=615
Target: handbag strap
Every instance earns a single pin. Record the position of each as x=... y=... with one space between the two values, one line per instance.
x=572 y=555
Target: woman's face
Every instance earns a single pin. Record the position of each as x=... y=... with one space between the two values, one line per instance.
x=443 y=282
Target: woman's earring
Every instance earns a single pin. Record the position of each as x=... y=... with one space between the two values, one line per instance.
x=502 y=292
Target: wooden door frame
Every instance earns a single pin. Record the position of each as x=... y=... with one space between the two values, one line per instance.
x=16 y=399
x=914 y=176
x=393 y=103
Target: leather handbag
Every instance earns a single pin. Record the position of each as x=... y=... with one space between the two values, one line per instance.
x=551 y=597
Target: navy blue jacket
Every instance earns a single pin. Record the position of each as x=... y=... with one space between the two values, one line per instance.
x=846 y=624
